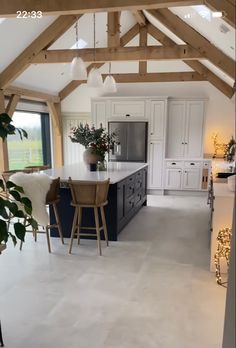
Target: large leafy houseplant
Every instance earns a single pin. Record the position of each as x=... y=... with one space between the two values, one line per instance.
x=97 y=139
x=15 y=208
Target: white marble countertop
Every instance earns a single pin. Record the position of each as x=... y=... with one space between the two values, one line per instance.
x=116 y=171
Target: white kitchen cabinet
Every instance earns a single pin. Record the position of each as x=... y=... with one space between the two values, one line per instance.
x=99 y=109
x=173 y=180
x=157 y=125
x=185 y=129
x=128 y=109
x=194 y=129
x=191 y=179
x=155 y=164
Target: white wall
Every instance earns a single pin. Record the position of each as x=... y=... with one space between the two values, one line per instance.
x=220 y=109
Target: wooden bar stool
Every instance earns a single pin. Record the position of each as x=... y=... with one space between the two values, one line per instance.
x=88 y=194
x=52 y=199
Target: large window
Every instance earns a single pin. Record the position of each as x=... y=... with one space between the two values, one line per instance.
x=35 y=150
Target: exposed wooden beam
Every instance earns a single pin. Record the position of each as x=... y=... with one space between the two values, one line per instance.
x=11 y=106
x=156 y=77
x=71 y=86
x=143 y=43
x=43 y=41
x=113 y=29
x=31 y=94
x=140 y=18
x=55 y=7
x=194 y=64
x=120 y=54
x=195 y=40
x=127 y=37
x=227 y=7
x=211 y=77
x=55 y=113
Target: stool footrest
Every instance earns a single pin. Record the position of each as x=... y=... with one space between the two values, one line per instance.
x=90 y=228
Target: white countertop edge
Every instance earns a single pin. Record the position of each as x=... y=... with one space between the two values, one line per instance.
x=116 y=172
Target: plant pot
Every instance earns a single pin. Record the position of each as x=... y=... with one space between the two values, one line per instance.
x=90 y=157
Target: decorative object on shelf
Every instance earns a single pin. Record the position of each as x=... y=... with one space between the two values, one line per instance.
x=96 y=141
x=110 y=83
x=95 y=76
x=230 y=150
x=222 y=252
x=218 y=147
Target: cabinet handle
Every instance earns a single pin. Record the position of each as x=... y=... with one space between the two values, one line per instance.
x=127 y=115
x=182 y=143
x=173 y=163
x=179 y=171
x=151 y=133
x=203 y=178
x=192 y=164
x=185 y=143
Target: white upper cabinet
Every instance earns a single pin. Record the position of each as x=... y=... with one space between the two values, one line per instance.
x=128 y=109
x=176 y=129
x=194 y=129
x=99 y=113
x=157 y=120
x=185 y=129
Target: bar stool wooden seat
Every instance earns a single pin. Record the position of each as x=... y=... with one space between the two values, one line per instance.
x=52 y=199
x=89 y=194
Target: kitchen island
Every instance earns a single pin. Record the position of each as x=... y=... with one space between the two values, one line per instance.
x=127 y=194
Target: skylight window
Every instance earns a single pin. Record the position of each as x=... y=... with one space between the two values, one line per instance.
x=206 y=13
x=80 y=44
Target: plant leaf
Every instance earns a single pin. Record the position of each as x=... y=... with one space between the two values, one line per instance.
x=3 y=231
x=19 y=229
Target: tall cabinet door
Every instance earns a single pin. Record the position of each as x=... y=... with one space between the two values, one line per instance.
x=155 y=164
x=194 y=129
x=99 y=114
x=176 y=129
x=157 y=120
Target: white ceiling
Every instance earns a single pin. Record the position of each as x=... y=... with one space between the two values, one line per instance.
x=17 y=34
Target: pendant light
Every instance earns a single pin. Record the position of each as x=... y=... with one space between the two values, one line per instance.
x=78 y=68
x=110 y=83
x=95 y=76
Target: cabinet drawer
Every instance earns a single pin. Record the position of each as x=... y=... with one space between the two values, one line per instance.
x=138 y=197
x=192 y=164
x=129 y=204
x=130 y=186
x=174 y=164
x=128 y=109
x=138 y=181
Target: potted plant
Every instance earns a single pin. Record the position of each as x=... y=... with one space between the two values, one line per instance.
x=14 y=206
x=230 y=150
x=97 y=142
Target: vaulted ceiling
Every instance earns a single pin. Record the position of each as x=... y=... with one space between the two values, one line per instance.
x=145 y=42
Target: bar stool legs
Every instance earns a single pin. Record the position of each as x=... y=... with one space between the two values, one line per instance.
x=58 y=222
x=1 y=339
x=98 y=230
x=76 y=227
x=104 y=225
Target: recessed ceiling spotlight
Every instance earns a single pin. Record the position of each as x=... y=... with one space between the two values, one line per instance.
x=188 y=15
x=224 y=29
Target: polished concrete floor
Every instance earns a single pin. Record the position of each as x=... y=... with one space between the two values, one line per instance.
x=152 y=289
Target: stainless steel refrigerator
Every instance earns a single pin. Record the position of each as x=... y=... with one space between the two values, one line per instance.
x=131 y=141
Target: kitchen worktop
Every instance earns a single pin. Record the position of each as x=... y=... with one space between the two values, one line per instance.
x=116 y=171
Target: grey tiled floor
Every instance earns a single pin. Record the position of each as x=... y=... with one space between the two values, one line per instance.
x=152 y=289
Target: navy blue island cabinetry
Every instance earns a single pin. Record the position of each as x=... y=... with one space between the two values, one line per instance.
x=127 y=194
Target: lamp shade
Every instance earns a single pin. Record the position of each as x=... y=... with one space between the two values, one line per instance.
x=78 y=69
x=95 y=79
x=110 y=84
